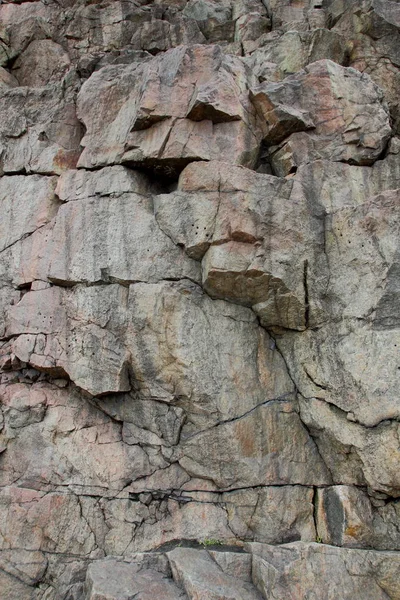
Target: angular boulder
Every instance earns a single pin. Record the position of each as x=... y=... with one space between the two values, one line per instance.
x=245 y=228
x=189 y=104
x=201 y=577
x=350 y=117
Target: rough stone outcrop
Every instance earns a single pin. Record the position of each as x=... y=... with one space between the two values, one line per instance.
x=342 y=109
x=199 y=299
x=261 y=572
x=191 y=103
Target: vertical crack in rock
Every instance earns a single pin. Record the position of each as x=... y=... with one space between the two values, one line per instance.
x=306 y=296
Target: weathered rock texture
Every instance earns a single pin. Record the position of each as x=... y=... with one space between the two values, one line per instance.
x=199 y=299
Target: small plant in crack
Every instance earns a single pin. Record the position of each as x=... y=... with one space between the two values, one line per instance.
x=210 y=542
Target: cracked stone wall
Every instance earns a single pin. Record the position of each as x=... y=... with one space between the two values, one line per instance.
x=199 y=299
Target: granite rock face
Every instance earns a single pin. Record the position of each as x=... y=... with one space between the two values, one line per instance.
x=190 y=103
x=199 y=299
x=262 y=572
x=343 y=111
x=287 y=571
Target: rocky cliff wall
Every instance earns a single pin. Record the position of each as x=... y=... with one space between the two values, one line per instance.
x=199 y=299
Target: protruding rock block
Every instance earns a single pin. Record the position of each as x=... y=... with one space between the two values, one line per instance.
x=42 y=62
x=108 y=182
x=279 y=54
x=7 y=80
x=253 y=233
x=63 y=332
x=333 y=358
x=373 y=37
x=201 y=577
x=160 y=332
x=239 y=273
x=344 y=516
x=354 y=454
x=194 y=106
x=261 y=571
x=274 y=514
x=114 y=239
x=281 y=119
x=362 y=244
x=350 y=118
x=348 y=516
x=26 y=22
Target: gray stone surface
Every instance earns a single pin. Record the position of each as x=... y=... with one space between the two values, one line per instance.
x=114 y=240
x=39 y=130
x=199 y=299
x=229 y=218
x=118 y=580
x=278 y=54
x=348 y=111
x=27 y=203
x=347 y=516
x=201 y=577
x=256 y=450
x=353 y=453
x=194 y=106
x=287 y=571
